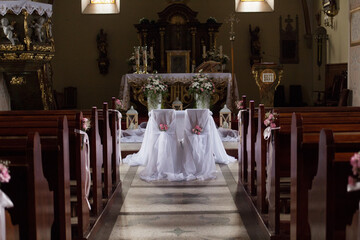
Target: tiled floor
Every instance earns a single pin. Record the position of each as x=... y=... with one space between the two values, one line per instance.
x=180 y=210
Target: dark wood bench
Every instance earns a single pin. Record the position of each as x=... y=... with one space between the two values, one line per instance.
x=28 y=188
x=331 y=207
x=19 y=124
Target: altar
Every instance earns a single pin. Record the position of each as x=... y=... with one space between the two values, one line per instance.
x=131 y=89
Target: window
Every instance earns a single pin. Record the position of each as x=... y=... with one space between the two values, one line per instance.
x=100 y=6
x=254 y=5
x=103 y=1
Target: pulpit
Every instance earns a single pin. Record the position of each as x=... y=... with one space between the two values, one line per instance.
x=268 y=77
x=26 y=49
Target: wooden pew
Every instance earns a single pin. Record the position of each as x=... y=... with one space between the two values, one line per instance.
x=115 y=127
x=282 y=168
x=331 y=207
x=304 y=154
x=250 y=148
x=55 y=153
x=28 y=188
x=243 y=117
x=20 y=122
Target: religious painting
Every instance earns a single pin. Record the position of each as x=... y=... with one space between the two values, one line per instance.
x=354 y=27
x=178 y=61
x=289 y=41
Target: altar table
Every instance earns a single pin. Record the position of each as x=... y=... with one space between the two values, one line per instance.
x=171 y=78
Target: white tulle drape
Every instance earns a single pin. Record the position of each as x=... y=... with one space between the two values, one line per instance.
x=178 y=154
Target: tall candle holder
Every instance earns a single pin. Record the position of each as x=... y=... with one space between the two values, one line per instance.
x=144 y=54
x=137 y=59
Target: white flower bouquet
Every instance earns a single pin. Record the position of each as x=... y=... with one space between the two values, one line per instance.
x=202 y=84
x=155 y=86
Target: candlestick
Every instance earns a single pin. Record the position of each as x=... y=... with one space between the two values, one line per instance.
x=204 y=51
x=221 y=51
x=151 y=52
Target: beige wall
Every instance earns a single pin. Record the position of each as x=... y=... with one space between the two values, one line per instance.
x=354 y=57
x=76 y=53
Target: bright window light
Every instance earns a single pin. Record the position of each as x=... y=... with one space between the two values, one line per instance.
x=102 y=1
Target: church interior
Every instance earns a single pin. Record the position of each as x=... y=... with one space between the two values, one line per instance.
x=179 y=119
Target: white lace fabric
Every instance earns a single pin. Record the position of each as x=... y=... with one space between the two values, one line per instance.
x=30 y=6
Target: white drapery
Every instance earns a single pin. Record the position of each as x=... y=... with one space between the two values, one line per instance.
x=178 y=124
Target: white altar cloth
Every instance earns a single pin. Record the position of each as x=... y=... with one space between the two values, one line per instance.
x=128 y=79
x=218 y=150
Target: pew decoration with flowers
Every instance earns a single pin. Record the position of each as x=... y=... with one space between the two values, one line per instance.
x=354 y=178
x=85 y=126
x=5 y=201
x=163 y=127
x=197 y=130
x=269 y=122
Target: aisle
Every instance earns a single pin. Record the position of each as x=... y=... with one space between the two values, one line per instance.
x=176 y=210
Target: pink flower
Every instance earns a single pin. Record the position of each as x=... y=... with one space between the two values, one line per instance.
x=351 y=181
x=267 y=122
x=272 y=125
x=201 y=89
x=198 y=133
x=271 y=116
x=4 y=174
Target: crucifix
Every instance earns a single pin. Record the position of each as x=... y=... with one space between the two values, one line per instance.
x=232 y=19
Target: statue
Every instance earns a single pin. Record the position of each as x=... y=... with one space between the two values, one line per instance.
x=255 y=45
x=38 y=29
x=8 y=30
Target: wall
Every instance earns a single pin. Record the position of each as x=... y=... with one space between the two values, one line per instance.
x=354 y=55
x=76 y=53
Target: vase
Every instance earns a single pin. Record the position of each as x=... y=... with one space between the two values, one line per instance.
x=154 y=102
x=202 y=100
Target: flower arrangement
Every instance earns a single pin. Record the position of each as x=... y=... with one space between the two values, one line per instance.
x=201 y=84
x=270 y=119
x=239 y=104
x=197 y=130
x=163 y=127
x=155 y=86
x=355 y=163
x=119 y=105
x=4 y=172
x=85 y=124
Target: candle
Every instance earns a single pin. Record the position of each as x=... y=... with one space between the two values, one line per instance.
x=221 y=51
x=137 y=56
x=204 y=51
x=151 y=52
x=144 y=56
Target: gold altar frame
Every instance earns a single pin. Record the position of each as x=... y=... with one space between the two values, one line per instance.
x=175 y=55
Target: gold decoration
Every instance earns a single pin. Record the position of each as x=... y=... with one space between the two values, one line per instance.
x=42 y=89
x=43 y=48
x=9 y=56
x=39 y=57
x=10 y=47
x=17 y=81
x=27 y=39
x=26 y=56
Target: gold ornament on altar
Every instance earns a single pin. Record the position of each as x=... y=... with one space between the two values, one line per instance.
x=132 y=118
x=177 y=104
x=225 y=117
